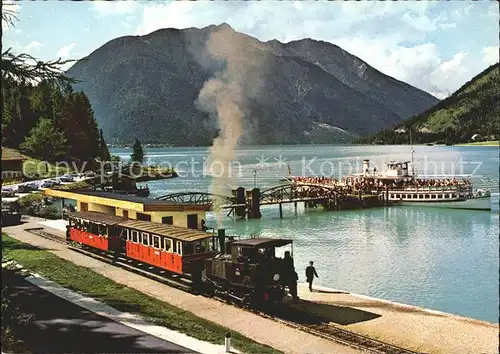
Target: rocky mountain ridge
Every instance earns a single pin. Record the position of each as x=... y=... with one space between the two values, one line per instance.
x=311 y=91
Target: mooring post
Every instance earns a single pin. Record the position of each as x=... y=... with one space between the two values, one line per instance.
x=254 y=204
x=240 y=199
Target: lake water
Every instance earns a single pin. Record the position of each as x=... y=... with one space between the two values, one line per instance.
x=446 y=260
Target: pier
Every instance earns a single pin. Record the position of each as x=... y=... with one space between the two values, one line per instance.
x=246 y=203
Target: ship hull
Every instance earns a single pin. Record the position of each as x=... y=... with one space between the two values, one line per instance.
x=468 y=204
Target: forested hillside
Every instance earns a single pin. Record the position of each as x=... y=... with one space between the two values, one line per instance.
x=473 y=109
x=50 y=122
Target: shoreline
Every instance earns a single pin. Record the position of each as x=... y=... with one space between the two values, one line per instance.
x=481 y=143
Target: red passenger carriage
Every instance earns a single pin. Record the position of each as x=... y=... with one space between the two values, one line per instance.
x=247 y=270
x=176 y=249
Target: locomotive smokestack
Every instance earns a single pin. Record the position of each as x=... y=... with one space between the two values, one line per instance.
x=222 y=239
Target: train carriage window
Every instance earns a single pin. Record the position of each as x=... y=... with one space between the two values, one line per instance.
x=433 y=196
x=420 y=196
x=427 y=196
x=178 y=248
x=155 y=241
x=446 y=196
x=102 y=230
x=453 y=195
x=135 y=236
x=167 y=245
x=145 y=239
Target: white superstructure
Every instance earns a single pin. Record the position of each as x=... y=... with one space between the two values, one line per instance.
x=402 y=186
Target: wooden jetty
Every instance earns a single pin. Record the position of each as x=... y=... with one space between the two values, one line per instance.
x=247 y=203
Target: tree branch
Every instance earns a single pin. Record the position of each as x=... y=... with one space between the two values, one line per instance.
x=26 y=68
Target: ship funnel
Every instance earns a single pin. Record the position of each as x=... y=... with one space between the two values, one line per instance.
x=222 y=239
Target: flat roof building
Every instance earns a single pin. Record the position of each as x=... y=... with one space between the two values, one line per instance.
x=134 y=207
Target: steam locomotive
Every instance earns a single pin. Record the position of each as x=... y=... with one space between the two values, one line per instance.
x=246 y=270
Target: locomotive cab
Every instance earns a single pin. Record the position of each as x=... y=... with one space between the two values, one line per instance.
x=251 y=271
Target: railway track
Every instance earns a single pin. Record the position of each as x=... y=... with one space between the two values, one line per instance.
x=291 y=317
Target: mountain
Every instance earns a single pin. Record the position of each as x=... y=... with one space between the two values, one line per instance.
x=473 y=109
x=308 y=91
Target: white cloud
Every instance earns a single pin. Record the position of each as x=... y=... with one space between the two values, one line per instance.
x=490 y=54
x=390 y=36
x=448 y=25
x=125 y=24
x=32 y=47
x=463 y=11
x=493 y=9
x=115 y=8
x=64 y=52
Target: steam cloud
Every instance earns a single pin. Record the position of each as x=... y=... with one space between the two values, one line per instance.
x=226 y=95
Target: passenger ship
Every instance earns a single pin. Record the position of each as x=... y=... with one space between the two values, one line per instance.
x=401 y=187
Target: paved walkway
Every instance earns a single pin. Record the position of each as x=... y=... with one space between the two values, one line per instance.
x=60 y=326
x=276 y=335
x=407 y=326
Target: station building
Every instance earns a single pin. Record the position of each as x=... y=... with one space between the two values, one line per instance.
x=134 y=207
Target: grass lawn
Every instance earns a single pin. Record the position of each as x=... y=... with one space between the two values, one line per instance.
x=482 y=143
x=89 y=283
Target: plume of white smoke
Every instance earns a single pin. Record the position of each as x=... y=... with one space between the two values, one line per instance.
x=226 y=95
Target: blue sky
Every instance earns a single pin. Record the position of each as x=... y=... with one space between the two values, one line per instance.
x=436 y=46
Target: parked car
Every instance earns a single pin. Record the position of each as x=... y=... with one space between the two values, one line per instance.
x=24 y=188
x=48 y=184
x=33 y=186
x=27 y=187
x=67 y=178
x=8 y=192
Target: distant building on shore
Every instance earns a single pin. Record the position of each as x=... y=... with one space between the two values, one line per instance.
x=12 y=163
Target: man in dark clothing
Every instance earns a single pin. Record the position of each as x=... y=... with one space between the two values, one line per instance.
x=288 y=261
x=292 y=285
x=310 y=274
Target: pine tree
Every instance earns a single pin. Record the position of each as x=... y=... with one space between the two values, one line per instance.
x=137 y=152
x=105 y=155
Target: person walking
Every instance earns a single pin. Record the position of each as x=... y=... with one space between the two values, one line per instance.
x=310 y=274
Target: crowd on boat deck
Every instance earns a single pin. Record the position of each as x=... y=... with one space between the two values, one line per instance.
x=350 y=185
x=441 y=182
